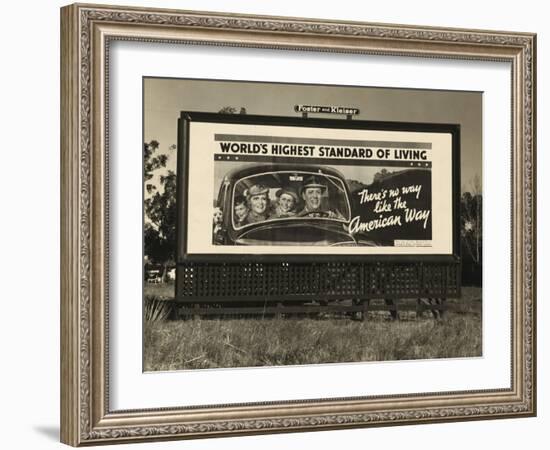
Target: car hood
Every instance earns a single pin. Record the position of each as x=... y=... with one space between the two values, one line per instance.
x=306 y=233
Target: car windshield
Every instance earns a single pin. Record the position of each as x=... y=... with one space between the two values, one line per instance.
x=280 y=195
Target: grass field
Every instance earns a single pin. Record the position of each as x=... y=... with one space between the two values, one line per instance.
x=165 y=291
x=217 y=343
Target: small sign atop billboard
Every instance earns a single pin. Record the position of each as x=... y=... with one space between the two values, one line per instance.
x=326 y=109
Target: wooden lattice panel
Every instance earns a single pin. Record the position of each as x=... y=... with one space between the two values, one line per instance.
x=249 y=282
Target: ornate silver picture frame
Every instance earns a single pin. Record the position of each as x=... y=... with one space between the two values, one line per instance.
x=89 y=415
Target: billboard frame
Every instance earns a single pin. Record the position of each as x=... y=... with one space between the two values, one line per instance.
x=187 y=117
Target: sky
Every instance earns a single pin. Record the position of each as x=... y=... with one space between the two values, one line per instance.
x=165 y=98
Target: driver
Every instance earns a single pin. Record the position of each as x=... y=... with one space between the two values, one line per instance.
x=312 y=194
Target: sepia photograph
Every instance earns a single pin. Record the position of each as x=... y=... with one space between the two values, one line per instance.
x=296 y=224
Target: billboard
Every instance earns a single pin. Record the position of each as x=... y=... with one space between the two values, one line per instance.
x=256 y=185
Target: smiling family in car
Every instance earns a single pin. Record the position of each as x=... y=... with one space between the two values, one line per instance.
x=255 y=205
x=274 y=204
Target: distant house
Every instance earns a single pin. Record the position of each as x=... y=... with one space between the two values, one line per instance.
x=152 y=273
x=171 y=274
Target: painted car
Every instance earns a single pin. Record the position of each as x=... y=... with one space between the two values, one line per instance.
x=254 y=206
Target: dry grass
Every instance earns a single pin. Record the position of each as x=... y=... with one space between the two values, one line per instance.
x=164 y=291
x=255 y=341
x=199 y=344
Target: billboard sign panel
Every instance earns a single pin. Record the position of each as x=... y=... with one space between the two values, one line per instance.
x=266 y=186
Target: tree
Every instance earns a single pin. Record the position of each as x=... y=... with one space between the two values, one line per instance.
x=152 y=162
x=231 y=110
x=471 y=220
x=160 y=208
x=227 y=110
x=379 y=176
x=471 y=228
x=155 y=247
